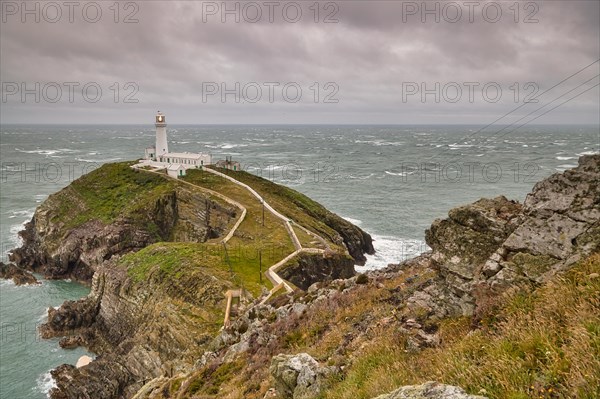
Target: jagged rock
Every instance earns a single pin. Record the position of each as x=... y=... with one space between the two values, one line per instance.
x=429 y=390
x=561 y=223
x=298 y=376
x=496 y=244
x=471 y=234
x=306 y=269
x=17 y=274
x=72 y=342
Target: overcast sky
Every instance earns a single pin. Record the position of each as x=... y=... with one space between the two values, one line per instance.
x=353 y=61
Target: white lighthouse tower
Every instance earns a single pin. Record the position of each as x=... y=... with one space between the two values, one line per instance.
x=161 y=136
x=174 y=163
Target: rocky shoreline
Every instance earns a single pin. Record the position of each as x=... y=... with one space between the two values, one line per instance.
x=18 y=275
x=154 y=340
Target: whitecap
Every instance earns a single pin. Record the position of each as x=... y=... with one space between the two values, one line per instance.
x=395 y=173
x=6 y=283
x=45 y=383
x=97 y=160
x=564 y=158
x=390 y=249
x=41 y=152
x=588 y=153
x=565 y=167
x=361 y=177
x=355 y=222
x=229 y=145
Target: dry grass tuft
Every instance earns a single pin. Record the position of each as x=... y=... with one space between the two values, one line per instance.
x=544 y=344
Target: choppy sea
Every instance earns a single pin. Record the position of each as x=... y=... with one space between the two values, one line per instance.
x=392 y=181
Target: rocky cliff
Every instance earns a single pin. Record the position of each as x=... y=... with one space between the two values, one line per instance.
x=151 y=249
x=477 y=311
x=113 y=211
x=460 y=312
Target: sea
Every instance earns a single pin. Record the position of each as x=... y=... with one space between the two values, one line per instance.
x=392 y=181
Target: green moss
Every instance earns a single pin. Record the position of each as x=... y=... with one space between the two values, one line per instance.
x=209 y=380
x=175 y=385
x=533 y=266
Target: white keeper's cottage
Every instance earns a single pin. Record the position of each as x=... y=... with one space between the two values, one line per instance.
x=175 y=163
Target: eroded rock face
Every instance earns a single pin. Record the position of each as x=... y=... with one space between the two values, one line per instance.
x=298 y=376
x=308 y=269
x=429 y=390
x=486 y=247
x=561 y=223
x=17 y=274
x=140 y=330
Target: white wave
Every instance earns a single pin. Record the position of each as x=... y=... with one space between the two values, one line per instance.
x=361 y=177
x=45 y=383
x=460 y=145
x=564 y=158
x=229 y=145
x=588 y=153
x=14 y=239
x=355 y=222
x=562 y=168
x=6 y=283
x=27 y=213
x=380 y=143
x=390 y=249
x=41 y=152
x=97 y=160
x=395 y=173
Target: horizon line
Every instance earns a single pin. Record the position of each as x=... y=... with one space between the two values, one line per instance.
x=285 y=124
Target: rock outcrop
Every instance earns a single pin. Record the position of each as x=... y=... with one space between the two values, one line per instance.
x=18 y=275
x=429 y=390
x=486 y=247
x=298 y=376
x=307 y=269
x=140 y=330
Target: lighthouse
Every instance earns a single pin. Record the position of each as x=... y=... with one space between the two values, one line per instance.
x=161 y=135
x=175 y=164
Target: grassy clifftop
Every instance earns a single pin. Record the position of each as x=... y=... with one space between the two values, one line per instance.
x=308 y=213
x=119 y=210
x=107 y=193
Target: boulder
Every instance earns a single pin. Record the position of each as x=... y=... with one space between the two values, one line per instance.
x=298 y=376
x=429 y=390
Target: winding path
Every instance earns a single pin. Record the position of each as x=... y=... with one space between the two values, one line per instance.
x=271 y=273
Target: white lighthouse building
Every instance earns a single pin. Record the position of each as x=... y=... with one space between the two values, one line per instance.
x=162 y=147
x=175 y=163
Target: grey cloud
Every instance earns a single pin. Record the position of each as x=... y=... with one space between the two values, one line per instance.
x=369 y=54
